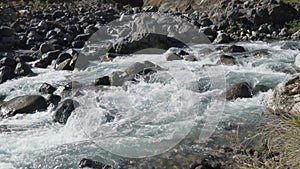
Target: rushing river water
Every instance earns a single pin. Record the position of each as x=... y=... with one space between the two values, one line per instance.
x=147 y=118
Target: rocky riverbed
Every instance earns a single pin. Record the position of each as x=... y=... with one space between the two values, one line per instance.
x=144 y=84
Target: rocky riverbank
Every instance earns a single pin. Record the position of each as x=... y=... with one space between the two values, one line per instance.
x=45 y=35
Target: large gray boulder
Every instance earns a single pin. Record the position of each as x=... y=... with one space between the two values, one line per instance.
x=138 y=42
x=285 y=100
x=23 y=105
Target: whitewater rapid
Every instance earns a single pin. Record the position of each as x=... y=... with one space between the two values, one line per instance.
x=148 y=118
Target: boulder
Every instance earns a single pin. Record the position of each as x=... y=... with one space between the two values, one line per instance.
x=234 y=49
x=285 y=98
x=22 y=68
x=170 y=56
x=138 y=42
x=46 y=47
x=6 y=73
x=23 y=105
x=6 y=31
x=64 y=111
x=283 y=13
x=132 y=3
x=91 y=164
x=47 y=89
x=103 y=81
x=6 y=61
x=239 y=90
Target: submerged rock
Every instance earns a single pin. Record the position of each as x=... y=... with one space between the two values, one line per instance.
x=226 y=60
x=23 y=105
x=129 y=74
x=285 y=98
x=240 y=90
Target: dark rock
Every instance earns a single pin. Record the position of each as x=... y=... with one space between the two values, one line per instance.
x=47 y=88
x=283 y=13
x=47 y=59
x=6 y=73
x=53 y=99
x=65 y=65
x=23 y=105
x=139 y=42
x=103 y=81
x=46 y=47
x=234 y=49
x=27 y=55
x=23 y=69
x=57 y=14
x=87 y=163
x=240 y=90
x=64 y=111
x=8 y=62
x=6 y=31
x=135 y=3
x=78 y=44
x=150 y=9
x=205 y=22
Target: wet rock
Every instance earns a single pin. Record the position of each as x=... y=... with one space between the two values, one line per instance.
x=63 y=61
x=64 y=111
x=91 y=164
x=64 y=65
x=104 y=81
x=6 y=73
x=53 y=99
x=172 y=56
x=260 y=88
x=227 y=60
x=23 y=105
x=285 y=98
x=234 y=49
x=239 y=90
x=46 y=47
x=139 y=42
x=46 y=88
